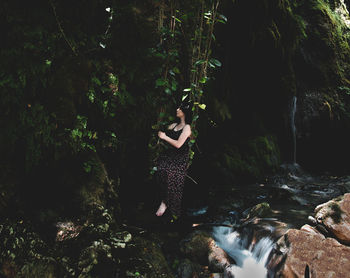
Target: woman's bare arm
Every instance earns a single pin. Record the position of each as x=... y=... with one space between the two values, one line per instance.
x=186 y=132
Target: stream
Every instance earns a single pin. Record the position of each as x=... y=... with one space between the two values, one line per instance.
x=291 y=196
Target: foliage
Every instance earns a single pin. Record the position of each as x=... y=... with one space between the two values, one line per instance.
x=188 y=27
x=48 y=62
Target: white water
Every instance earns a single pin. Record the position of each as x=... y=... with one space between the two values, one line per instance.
x=251 y=261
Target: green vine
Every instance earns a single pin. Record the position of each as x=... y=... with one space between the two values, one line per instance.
x=189 y=27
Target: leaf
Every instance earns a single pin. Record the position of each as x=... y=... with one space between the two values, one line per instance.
x=160 y=82
x=173 y=85
x=202 y=106
x=176 y=70
x=199 y=62
x=178 y=20
x=223 y=18
x=203 y=80
x=167 y=91
x=96 y=81
x=184 y=97
x=187 y=90
x=215 y=62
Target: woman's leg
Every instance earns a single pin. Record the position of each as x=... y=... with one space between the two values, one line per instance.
x=162 y=180
x=175 y=190
x=161 y=209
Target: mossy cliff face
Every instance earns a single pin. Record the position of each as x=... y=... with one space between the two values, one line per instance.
x=322 y=71
x=270 y=54
x=251 y=160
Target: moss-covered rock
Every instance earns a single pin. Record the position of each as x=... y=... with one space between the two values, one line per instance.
x=251 y=160
x=259 y=210
x=25 y=254
x=196 y=247
x=145 y=259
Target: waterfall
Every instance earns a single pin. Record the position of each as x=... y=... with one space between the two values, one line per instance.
x=250 y=261
x=293 y=128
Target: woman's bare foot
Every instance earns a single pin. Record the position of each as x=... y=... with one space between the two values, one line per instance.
x=161 y=209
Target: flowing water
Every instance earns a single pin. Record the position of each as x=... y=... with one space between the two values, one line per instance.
x=292 y=197
x=250 y=257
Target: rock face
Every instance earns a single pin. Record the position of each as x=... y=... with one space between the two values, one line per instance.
x=311 y=252
x=335 y=216
x=202 y=249
x=319 y=251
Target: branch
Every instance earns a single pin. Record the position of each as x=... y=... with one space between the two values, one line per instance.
x=191 y=179
x=61 y=29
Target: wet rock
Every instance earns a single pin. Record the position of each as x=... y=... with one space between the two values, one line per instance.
x=259 y=210
x=144 y=258
x=196 y=247
x=201 y=248
x=310 y=229
x=335 y=217
x=217 y=257
x=187 y=269
x=306 y=250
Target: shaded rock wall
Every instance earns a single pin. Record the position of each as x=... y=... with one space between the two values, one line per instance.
x=269 y=55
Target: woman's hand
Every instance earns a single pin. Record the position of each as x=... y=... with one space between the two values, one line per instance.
x=186 y=132
x=161 y=135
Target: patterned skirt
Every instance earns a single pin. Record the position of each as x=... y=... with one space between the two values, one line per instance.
x=171 y=172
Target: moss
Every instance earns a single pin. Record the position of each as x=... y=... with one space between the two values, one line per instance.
x=147 y=259
x=255 y=158
x=39 y=270
x=328 y=31
x=264 y=152
x=260 y=210
x=335 y=213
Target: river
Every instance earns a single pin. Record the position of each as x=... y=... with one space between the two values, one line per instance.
x=290 y=198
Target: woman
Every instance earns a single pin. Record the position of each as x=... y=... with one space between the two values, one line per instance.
x=172 y=164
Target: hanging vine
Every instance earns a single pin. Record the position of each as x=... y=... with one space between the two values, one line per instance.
x=201 y=59
x=188 y=27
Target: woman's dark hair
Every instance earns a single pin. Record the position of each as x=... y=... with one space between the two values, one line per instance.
x=186 y=108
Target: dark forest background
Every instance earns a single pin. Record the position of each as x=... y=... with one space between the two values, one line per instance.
x=85 y=85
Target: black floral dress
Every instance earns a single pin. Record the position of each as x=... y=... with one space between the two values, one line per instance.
x=171 y=171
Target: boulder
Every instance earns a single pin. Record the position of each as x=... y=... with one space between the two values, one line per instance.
x=196 y=247
x=308 y=252
x=335 y=217
x=201 y=248
x=144 y=258
x=217 y=257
